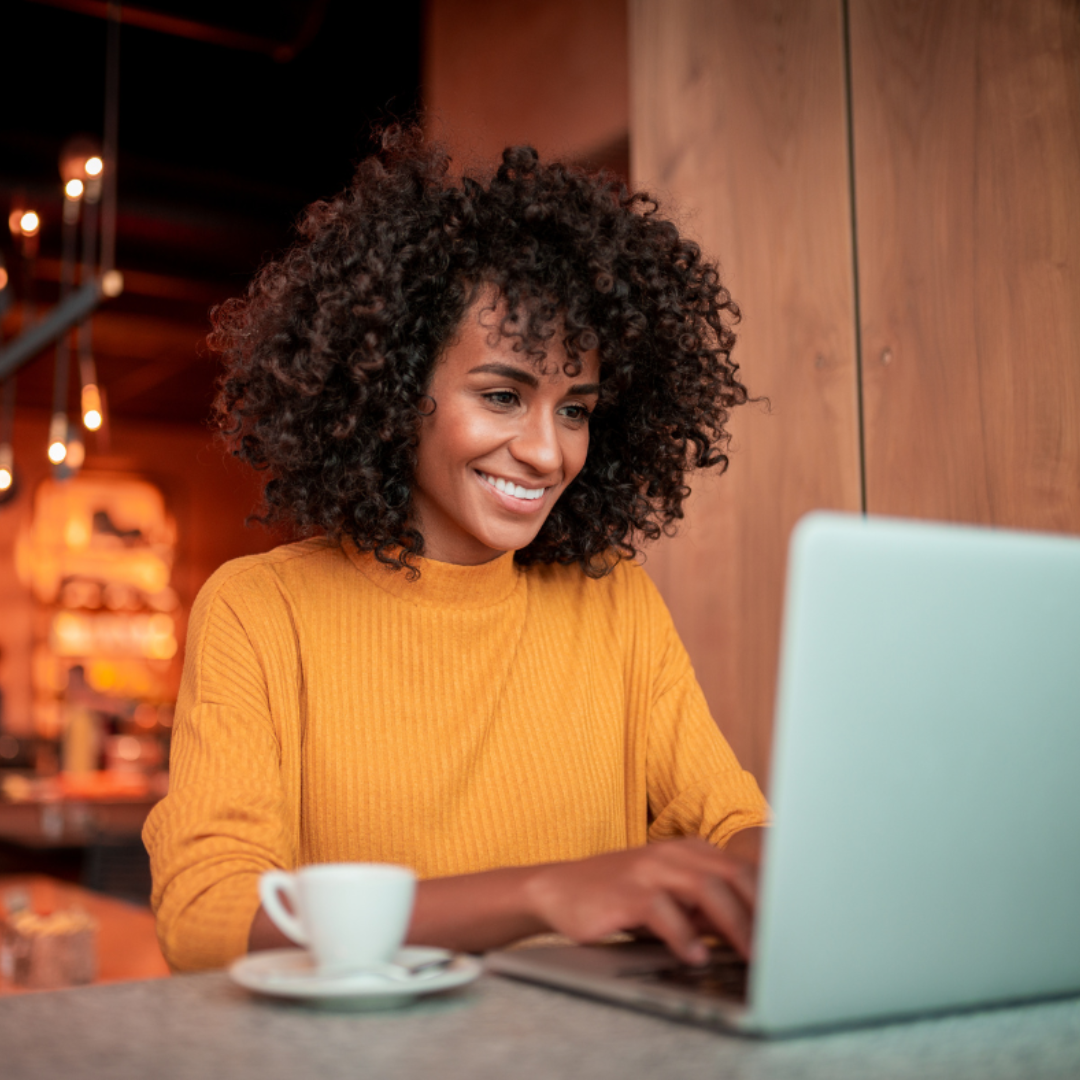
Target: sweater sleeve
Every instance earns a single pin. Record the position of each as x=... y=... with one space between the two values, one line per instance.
x=694 y=783
x=225 y=818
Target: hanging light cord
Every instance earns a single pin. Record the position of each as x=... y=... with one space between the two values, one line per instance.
x=112 y=119
x=7 y=412
x=67 y=283
x=87 y=370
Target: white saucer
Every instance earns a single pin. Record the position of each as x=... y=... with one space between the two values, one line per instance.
x=291 y=973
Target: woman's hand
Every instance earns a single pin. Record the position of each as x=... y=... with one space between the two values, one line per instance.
x=673 y=889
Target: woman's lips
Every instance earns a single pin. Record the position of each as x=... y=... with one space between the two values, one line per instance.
x=529 y=503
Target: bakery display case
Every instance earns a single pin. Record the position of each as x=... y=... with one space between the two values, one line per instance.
x=97 y=556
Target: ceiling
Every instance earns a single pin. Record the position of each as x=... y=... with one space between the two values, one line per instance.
x=220 y=146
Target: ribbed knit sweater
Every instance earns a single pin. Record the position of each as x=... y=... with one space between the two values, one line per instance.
x=480 y=716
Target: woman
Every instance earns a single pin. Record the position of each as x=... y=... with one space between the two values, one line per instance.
x=476 y=399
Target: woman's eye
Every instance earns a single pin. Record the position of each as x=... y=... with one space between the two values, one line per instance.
x=501 y=397
x=576 y=412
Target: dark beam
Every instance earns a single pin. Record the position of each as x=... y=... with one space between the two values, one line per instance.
x=281 y=51
x=63 y=317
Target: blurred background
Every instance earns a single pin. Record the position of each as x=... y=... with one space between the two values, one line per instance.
x=891 y=189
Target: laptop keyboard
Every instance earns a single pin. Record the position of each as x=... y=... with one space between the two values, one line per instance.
x=724 y=976
x=723 y=980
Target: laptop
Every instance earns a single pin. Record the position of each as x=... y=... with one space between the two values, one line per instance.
x=925 y=854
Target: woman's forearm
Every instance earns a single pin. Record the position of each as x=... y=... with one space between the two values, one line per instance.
x=475 y=912
x=264 y=934
x=466 y=913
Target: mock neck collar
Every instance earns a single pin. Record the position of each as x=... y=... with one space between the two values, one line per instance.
x=443 y=584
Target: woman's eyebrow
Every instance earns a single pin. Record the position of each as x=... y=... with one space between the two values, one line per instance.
x=585 y=388
x=507 y=372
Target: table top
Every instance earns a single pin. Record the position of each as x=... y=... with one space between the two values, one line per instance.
x=126 y=943
x=72 y=820
x=194 y=1026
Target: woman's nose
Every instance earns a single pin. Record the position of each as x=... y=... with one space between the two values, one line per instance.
x=537 y=444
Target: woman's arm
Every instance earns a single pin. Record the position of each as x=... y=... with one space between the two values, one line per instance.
x=466 y=913
x=232 y=811
x=673 y=889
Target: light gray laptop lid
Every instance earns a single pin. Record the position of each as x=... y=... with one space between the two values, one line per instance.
x=926 y=775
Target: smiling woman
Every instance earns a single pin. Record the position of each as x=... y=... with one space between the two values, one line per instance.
x=476 y=399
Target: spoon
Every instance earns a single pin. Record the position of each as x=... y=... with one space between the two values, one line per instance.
x=390 y=971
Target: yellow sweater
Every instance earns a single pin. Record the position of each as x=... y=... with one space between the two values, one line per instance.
x=332 y=710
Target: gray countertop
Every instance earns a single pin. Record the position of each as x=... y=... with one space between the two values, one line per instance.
x=202 y=1026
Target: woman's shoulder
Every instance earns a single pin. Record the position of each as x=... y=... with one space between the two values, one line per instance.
x=624 y=588
x=250 y=574
x=622 y=611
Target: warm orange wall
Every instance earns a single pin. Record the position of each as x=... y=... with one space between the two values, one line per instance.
x=552 y=73
x=209 y=494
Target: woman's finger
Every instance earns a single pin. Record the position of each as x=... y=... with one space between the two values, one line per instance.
x=709 y=889
x=673 y=926
x=703 y=857
x=743 y=878
x=726 y=911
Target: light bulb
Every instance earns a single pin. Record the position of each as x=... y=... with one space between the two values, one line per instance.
x=91 y=407
x=7 y=467
x=29 y=223
x=58 y=430
x=93 y=166
x=112 y=283
x=5 y=478
x=3 y=278
x=73 y=189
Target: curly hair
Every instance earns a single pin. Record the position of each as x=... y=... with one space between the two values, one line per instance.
x=329 y=354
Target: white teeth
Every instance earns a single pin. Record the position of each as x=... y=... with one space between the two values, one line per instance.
x=516 y=490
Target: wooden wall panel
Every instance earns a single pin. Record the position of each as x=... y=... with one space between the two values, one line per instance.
x=967 y=181
x=738 y=116
x=552 y=73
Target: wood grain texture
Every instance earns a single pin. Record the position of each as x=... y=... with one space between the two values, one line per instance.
x=738 y=117
x=551 y=73
x=967 y=180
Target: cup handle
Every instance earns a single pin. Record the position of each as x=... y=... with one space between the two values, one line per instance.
x=271 y=885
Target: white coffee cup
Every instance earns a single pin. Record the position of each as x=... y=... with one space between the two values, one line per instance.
x=350 y=915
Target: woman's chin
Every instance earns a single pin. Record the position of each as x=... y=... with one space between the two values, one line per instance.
x=510 y=540
x=505 y=536
x=479 y=546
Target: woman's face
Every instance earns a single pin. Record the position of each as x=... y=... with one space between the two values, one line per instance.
x=504 y=441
